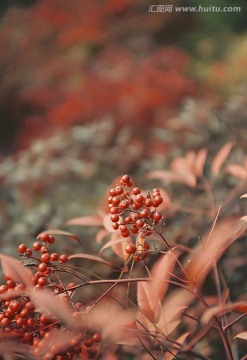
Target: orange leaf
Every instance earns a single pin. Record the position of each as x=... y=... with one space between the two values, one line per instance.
x=200 y=162
x=220 y=158
x=112 y=242
x=86 y=221
x=16 y=271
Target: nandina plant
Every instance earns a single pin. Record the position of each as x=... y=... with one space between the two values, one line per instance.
x=151 y=304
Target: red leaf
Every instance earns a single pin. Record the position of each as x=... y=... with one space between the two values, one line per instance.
x=47 y=302
x=243 y=196
x=15 y=270
x=59 y=337
x=101 y=234
x=219 y=310
x=59 y=232
x=91 y=257
x=220 y=158
x=86 y=221
x=177 y=345
x=237 y=170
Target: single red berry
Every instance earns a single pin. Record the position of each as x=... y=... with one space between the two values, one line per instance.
x=29 y=305
x=37 y=246
x=157 y=216
x=27 y=336
x=139 y=223
x=113 y=192
x=51 y=239
x=119 y=190
x=137 y=257
x=146 y=246
x=44 y=237
x=10 y=283
x=148 y=202
x=22 y=248
x=128 y=219
x=115 y=226
x=134 y=230
x=116 y=200
x=144 y=213
x=45 y=258
x=63 y=258
x=42 y=267
x=42 y=281
x=125 y=179
x=136 y=191
x=15 y=305
x=88 y=342
x=123 y=228
x=114 y=218
x=54 y=257
x=125 y=234
x=114 y=210
x=139 y=199
x=96 y=337
x=130 y=249
x=124 y=204
x=5 y=322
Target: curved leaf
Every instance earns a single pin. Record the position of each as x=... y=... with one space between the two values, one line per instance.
x=85 y=221
x=48 y=303
x=220 y=158
x=16 y=271
x=112 y=242
x=242 y=335
x=91 y=257
x=237 y=170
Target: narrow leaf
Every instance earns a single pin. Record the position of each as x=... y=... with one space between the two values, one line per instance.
x=16 y=271
x=237 y=170
x=220 y=158
x=91 y=257
x=179 y=344
x=242 y=335
x=85 y=221
x=200 y=162
x=219 y=310
x=243 y=196
x=112 y=242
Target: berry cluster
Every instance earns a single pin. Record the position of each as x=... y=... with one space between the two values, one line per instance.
x=133 y=212
x=21 y=321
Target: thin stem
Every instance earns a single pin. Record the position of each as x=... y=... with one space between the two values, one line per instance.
x=226 y=327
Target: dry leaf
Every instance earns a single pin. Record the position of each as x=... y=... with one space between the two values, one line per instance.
x=86 y=221
x=242 y=335
x=220 y=158
x=91 y=257
x=16 y=271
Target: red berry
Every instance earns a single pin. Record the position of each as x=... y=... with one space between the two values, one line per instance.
x=124 y=204
x=113 y=192
x=137 y=257
x=136 y=191
x=134 y=230
x=22 y=248
x=148 y=202
x=54 y=257
x=130 y=249
x=15 y=305
x=96 y=337
x=119 y=190
x=36 y=246
x=125 y=179
x=144 y=213
x=51 y=239
x=42 y=281
x=146 y=246
x=157 y=216
x=88 y=342
x=114 y=218
x=114 y=210
x=63 y=258
x=44 y=237
x=115 y=226
x=42 y=267
x=116 y=200
x=139 y=223
x=45 y=258
x=5 y=322
x=139 y=199
x=125 y=234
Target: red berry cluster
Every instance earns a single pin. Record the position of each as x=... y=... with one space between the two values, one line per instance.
x=134 y=212
x=45 y=260
x=21 y=321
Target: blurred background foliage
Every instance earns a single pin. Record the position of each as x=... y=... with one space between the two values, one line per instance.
x=91 y=90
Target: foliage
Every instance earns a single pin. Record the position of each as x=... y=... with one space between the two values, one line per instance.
x=75 y=67
x=150 y=297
